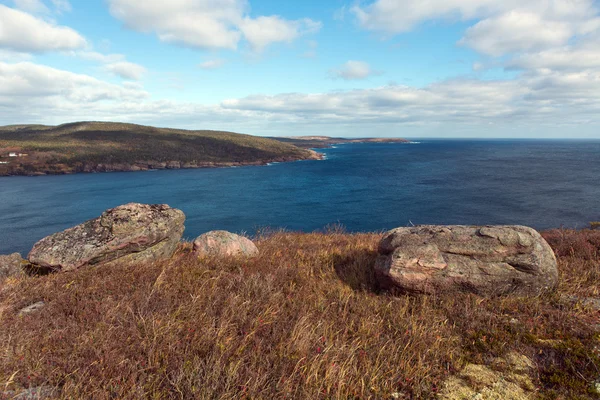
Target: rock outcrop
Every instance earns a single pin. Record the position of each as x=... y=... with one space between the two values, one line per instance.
x=223 y=243
x=11 y=265
x=488 y=260
x=129 y=233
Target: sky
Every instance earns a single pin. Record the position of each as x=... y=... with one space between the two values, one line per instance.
x=376 y=68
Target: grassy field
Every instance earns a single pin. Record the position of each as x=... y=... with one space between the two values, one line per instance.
x=83 y=146
x=304 y=320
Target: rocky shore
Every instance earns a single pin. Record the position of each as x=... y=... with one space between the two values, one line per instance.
x=41 y=169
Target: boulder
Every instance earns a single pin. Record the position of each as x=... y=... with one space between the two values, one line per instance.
x=223 y=243
x=486 y=260
x=129 y=233
x=11 y=266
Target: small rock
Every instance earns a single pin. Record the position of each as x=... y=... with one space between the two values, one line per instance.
x=589 y=302
x=35 y=393
x=486 y=260
x=11 y=266
x=223 y=243
x=32 y=308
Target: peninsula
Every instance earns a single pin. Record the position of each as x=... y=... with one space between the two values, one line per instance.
x=107 y=146
x=322 y=142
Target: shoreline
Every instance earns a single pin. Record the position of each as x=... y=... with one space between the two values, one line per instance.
x=145 y=166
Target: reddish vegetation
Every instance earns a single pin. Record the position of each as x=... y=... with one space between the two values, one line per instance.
x=304 y=320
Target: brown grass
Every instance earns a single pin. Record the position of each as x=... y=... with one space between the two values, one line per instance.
x=305 y=320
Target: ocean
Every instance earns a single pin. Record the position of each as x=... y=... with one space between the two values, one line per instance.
x=363 y=187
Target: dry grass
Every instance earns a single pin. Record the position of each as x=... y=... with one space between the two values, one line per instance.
x=305 y=320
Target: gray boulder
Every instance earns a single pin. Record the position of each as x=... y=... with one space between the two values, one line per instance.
x=10 y=266
x=488 y=260
x=129 y=233
x=223 y=243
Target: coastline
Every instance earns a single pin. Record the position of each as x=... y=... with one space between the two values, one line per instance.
x=151 y=165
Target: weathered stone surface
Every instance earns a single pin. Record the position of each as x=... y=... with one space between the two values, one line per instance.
x=32 y=308
x=223 y=243
x=34 y=393
x=488 y=260
x=129 y=233
x=11 y=266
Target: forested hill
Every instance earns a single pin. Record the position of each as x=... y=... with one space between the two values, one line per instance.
x=107 y=146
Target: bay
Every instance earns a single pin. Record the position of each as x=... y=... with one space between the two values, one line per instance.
x=364 y=187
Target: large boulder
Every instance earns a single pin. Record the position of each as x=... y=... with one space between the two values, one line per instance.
x=10 y=266
x=223 y=243
x=488 y=260
x=129 y=233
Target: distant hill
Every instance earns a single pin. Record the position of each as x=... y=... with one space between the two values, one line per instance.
x=321 y=142
x=108 y=146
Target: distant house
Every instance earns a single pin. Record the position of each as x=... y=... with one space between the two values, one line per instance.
x=3 y=162
x=13 y=154
x=23 y=154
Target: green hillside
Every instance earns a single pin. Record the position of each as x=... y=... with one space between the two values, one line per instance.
x=99 y=146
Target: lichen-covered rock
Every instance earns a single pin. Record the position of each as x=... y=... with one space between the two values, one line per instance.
x=129 y=233
x=10 y=266
x=508 y=380
x=223 y=243
x=34 y=393
x=488 y=260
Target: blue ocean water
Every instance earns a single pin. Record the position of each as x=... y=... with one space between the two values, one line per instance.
x=365 y=187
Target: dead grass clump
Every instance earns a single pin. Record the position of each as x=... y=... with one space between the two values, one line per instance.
x=305 y=319
x=583 y=244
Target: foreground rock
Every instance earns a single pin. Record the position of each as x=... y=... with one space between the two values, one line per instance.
x=489 y=260
x=11 y=266
x=129 y=233
x=223 y=243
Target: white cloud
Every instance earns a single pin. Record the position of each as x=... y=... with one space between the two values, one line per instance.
x=564 y=58
x=126 y=70
x=536 y=100
x=202 y=24
x=516 y=31
x=13 y=56
x=22 y=32
x=99 y=57
x=34 y=82
x=263 y=31
x=39 y=7
x=503 y=26
x=32 y=6
x=212 y=64
x=208 y=24
x=353 y=70
x=62 y=5
x=116 y=64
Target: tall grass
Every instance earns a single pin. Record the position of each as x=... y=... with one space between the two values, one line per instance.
x=304 y=320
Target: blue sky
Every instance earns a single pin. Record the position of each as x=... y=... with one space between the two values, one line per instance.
x=442 y=68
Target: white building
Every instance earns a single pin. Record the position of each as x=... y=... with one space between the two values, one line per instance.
x=13 y=155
